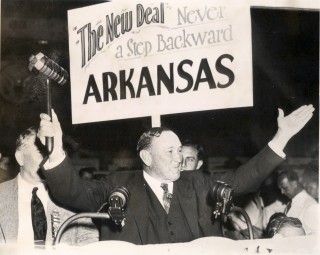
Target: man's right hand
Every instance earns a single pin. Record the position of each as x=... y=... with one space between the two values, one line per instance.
x=51 y=129
x=290 y=125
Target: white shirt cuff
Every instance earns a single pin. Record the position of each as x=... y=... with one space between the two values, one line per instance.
x=274 y=146
x=49 y=165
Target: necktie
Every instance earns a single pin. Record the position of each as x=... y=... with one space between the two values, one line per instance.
x=38 y=215
x=288 y=207
x=166 y=197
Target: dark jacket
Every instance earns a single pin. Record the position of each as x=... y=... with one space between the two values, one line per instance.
x=192 y=190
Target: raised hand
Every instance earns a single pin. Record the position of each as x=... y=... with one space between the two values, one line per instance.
x=291 y=124
x=51 y=129
x=294 y=122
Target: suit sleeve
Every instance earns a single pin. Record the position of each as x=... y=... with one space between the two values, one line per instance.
x=67 y=188
x=248 y=177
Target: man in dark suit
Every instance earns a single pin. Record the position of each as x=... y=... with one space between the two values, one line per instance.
x=166 y=205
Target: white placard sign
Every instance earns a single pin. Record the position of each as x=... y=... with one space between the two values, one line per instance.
x=141 y=58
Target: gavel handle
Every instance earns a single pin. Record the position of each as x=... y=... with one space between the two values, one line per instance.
x=49 y=140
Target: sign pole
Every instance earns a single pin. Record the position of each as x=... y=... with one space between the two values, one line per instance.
x=155 y=121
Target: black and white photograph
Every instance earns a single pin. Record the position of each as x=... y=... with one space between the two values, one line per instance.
x=163 y=127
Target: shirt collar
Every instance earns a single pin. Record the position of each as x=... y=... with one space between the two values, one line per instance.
x=155 y=183
x=29 y=186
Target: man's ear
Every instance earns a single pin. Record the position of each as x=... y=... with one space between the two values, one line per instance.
x=19 y=157
x=146 y=157
x=199 y=164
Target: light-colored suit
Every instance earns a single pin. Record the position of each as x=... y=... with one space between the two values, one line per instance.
x=80 y=232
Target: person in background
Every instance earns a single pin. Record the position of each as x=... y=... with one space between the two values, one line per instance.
x=310 y=179
x=301 y=205
x=193 y=156
x=87 y=173
x=167 y=205
x=259 y=207
x=8 y=170
x=18 y=219
x=282 y=226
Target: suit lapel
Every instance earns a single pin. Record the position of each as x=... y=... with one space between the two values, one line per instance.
x=139 y=206
x=53 y=209
x=188 y=201
x=50 y=208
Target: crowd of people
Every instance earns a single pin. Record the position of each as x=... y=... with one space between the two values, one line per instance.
x=169 y=197
x=282 y=192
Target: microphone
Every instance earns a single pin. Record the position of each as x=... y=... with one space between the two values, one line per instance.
x=43 y=64
x=119 y=197
x=118 y=200
x=222 y=195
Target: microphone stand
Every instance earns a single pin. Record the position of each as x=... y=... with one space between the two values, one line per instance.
x=246 y=217
x=49 y=140
x=75 y=217
x=222 y=193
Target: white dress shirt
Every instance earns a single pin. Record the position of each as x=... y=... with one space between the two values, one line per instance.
x=306 y=209
x=155 y=185
x=275 y=147
x=25 y=230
